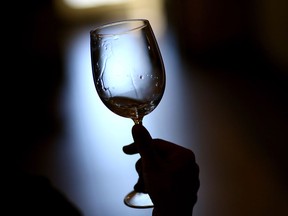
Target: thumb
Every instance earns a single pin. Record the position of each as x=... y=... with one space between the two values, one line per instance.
x=143 y=141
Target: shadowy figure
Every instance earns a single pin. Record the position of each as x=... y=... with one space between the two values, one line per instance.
x=34 y=74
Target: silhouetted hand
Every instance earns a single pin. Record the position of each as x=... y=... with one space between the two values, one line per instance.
x=167 y=172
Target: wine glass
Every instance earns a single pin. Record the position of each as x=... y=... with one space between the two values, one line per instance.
x=129 y=75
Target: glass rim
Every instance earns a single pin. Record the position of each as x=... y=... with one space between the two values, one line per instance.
x=96 y=31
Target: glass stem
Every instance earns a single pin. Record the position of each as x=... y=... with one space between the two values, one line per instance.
x=137 y=120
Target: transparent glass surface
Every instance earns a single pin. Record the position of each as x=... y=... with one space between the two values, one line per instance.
x=129 y=75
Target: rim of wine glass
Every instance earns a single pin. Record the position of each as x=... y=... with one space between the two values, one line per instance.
x=96 y=31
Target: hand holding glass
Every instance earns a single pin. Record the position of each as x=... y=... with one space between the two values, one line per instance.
x=128 y=74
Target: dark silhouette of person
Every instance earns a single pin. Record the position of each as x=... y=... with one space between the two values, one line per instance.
x=34 y=74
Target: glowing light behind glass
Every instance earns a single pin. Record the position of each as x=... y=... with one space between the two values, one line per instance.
x=101 y=174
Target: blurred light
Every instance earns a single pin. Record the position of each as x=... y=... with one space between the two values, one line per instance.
x=87 y=10
x=81 y=4
x=102 y=172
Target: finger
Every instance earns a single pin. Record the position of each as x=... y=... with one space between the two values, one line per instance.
x=143 y=140
x=140 y=185
x=130 y=149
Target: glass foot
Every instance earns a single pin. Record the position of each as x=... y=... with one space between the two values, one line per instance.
x=138 y=200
